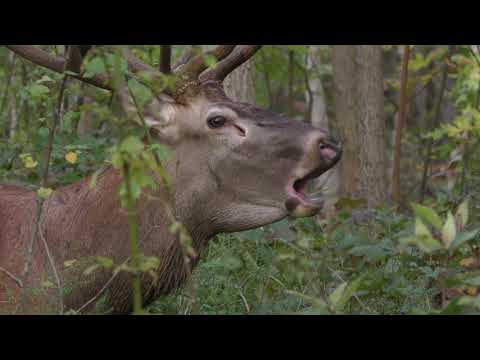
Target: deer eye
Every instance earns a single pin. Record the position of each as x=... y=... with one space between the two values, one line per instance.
x=216 y=122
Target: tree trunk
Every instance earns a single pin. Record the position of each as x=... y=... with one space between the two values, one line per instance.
x=359 y=102
x=318 y=114
x=328 y=183
x=85 y=126
x=240 y=84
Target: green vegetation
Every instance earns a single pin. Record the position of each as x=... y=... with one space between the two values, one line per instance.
x=411 y=259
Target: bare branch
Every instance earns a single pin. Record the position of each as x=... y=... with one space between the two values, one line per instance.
x=56 y=63
x=13 y=277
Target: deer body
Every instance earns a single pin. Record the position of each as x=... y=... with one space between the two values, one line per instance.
x=234 y=167
x=79 y=222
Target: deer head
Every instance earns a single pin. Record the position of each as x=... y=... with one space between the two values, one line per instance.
x=235 y=166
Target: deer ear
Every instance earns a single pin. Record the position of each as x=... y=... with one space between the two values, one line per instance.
x=158 y=112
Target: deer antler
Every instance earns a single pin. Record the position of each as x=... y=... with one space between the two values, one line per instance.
x=237 y=57
x=190 y=67
x=196 y=65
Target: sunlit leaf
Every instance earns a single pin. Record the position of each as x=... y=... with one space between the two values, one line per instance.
x=462 y=214
x=71 y=157
x=427 y=215
x=449 y=231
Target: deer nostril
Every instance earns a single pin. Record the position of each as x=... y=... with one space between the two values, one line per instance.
x=330 y=148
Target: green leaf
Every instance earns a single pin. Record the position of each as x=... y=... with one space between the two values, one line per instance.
x=342 y=294
x=423 y=238
x=463 y=238
x=47 y=284
x=336 y=296
x=132 y=145
x=210 y=60
x=93 y=180
x=449 y=230
x=421 y=229
x=44 y=192
x=317 y=303
x=38 y=90
x=94 y=67
x=371 y=252
x=105 y=261
x=427 y=215
x=462 y=214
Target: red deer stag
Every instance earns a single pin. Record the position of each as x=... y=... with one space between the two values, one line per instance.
x=233 y=167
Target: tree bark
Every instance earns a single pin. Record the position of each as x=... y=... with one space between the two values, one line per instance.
x=359 y=103
x=240 y=84
x=328 y=183
x=318 y=115
x=400 y=124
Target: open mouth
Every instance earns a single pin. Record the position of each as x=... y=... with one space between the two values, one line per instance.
x=301 y=202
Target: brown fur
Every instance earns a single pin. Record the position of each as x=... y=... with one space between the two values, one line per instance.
x=222 y=181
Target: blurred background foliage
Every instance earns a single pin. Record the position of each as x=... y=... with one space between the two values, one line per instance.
x=384 y=259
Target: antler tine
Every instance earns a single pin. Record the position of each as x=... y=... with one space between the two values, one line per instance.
x=56 y=63
x=185 y=57
x=195 y=66
x=134 y=64
x=238 y=56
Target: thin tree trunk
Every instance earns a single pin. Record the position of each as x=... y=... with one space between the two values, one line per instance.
x=240 y=84
x=399 y=126
x=343 y=59
x=291 y=79
x=359 y=102
x=435 y=123
x=13 y=105
x=85 y=125
x=318 y=113
x=328 y=183
x=13 y=119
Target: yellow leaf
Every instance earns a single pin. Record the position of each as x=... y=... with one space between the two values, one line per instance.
x=44 y=192
x=71 y=157
x=472 y=291
x=69 y=263
x=467 y=262
x=29 y=163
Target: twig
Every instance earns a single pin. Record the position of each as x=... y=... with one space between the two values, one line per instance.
x=13 y=277
x=54 y=269
x=170 y=199
x=104 y=287
x=40 y=201
x=247 y=307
